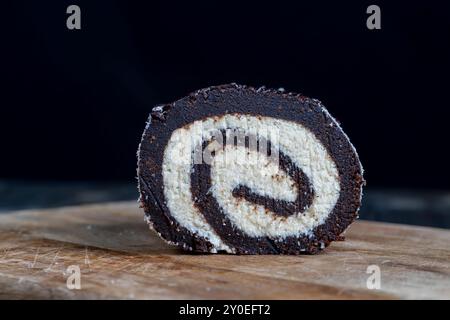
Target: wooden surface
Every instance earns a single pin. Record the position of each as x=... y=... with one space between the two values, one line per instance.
x=120 y=258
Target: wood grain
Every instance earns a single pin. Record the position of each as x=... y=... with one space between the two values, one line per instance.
x=120 y=258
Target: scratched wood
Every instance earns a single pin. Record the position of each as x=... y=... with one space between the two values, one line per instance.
x=120 y=258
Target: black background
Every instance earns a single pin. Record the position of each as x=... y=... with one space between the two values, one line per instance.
x=74 y=102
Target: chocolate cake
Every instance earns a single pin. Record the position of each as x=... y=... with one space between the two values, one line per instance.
x=241 y=170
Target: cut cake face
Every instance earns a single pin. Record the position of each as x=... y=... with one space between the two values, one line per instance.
x=248 y=171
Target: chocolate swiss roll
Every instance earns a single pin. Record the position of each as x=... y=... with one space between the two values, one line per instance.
x=236 y=169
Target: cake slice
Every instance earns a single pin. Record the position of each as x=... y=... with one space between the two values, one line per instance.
x=248 y=171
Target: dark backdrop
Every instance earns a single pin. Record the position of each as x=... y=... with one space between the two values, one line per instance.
x=74 y=103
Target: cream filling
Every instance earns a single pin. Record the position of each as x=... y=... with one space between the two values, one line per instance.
x=257 y=172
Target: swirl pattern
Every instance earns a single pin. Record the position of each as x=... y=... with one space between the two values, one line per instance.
x=240 y=182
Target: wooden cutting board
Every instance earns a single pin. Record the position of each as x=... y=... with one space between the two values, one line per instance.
x=119 y=257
